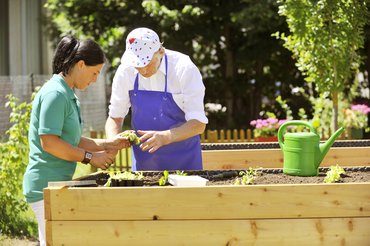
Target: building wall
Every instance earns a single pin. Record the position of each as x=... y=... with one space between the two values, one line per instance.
x=25 y=62
x=4 y=40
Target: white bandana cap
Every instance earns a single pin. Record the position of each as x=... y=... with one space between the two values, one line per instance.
x=141 y=44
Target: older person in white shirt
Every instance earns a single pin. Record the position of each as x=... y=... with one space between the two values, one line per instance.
x=165 y=91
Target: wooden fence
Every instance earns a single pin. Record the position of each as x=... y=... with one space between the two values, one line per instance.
x=123 y=159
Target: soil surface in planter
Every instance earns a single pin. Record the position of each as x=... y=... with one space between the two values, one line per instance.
x=266 y=176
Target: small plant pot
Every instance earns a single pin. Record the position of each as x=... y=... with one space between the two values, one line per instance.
x=122 y=183
x=138 y=182
x=114 y=183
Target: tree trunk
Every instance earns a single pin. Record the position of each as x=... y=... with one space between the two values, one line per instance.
x=229 y=75
x=335 y=110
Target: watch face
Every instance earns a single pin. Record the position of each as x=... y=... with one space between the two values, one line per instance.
x=88 y=155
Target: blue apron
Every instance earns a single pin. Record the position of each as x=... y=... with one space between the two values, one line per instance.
x=156 y=110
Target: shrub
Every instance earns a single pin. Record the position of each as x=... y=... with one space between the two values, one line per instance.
x=13 y=163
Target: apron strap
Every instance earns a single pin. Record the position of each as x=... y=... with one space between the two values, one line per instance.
x=165 y=80
x=136 y=84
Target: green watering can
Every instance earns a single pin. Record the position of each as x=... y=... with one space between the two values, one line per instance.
x=302 y=151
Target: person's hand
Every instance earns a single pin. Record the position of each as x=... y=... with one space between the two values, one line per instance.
x=102 y=159
x=116 y=143
x=153 y=140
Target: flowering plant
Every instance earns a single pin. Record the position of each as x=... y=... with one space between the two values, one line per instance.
x=266 y=127
x=356 y=116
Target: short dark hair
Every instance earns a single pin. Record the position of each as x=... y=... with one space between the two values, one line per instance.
x=70 y=50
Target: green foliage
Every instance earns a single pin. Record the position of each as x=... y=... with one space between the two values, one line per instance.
x=131 y=136
x=325 y=38
x=334 y=174
x=181 y=173
x=13 y=163
x=163 y=180
x=247 y=177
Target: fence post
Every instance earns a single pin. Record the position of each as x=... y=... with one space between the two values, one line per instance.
x=93 y=134
x=212 y=136
x=249 y=135
x=222 y=136
x=235 y=135
x=228 y=135
x=203 y=137
x=242 y=135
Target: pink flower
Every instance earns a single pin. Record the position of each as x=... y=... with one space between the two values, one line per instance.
x=361 y=108
x=266 y=127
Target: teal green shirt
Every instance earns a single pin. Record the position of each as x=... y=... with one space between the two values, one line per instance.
x=55 y=111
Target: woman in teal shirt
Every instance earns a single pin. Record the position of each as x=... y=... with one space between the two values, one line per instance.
x=55 y=133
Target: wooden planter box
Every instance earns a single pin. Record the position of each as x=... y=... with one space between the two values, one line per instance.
x=273 y=158
x=304 y=214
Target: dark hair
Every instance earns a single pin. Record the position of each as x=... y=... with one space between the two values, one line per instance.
x=70 y=50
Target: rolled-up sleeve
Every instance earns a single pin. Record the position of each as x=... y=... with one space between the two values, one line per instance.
x=193 y=90
x=120 y=99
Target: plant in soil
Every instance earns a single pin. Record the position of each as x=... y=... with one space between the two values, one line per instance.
x=334 y=174
x=125 y=179
x=181 y=173
x=247 y=177
x=163 y=180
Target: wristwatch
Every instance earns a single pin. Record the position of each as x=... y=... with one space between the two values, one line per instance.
x=87 y=157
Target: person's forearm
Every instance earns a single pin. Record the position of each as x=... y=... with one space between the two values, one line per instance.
x=61 y=149
x=113 y=126
x=187 y=130
x=92 y=144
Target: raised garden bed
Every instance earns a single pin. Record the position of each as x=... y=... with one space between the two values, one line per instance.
x=309 y=213
x=268 y=155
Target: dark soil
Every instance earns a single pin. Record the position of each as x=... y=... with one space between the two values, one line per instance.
x=273 y=176
x=265 y=176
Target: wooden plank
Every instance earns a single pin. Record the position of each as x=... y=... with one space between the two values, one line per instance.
x=273 y=158
x=342 y=231
x=210 y=202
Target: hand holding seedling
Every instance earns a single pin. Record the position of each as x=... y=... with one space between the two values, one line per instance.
x=130 y=136
x=116 y=143
x=153 y=140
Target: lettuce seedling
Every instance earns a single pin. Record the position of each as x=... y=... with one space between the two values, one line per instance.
x=333 y=175
x=163 y=180
x=181 y=173
x=131 y=136
x=247 y=177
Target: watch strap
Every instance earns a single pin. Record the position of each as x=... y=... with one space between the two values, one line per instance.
x=87 y=157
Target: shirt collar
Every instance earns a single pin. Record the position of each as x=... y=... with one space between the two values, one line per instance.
x=63 y=83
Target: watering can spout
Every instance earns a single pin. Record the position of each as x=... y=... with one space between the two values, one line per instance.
x=324 y=147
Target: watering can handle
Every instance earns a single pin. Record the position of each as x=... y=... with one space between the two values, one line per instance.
x=289 y=123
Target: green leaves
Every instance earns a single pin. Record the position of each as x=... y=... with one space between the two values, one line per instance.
x=131 y=136
x=333 y=175
x=247 y=177
x=325 y=38
x=13 y=163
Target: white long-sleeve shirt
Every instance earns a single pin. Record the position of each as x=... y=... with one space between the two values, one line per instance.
x=184 y=82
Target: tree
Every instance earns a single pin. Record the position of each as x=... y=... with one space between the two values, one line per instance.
x=325 y=38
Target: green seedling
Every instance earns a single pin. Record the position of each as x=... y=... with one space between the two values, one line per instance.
x=333 y=175
x=126 y=175
x=163 y=180
x=139 y=176
x=247 y=177
x=131 y=136
x=181 y=173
